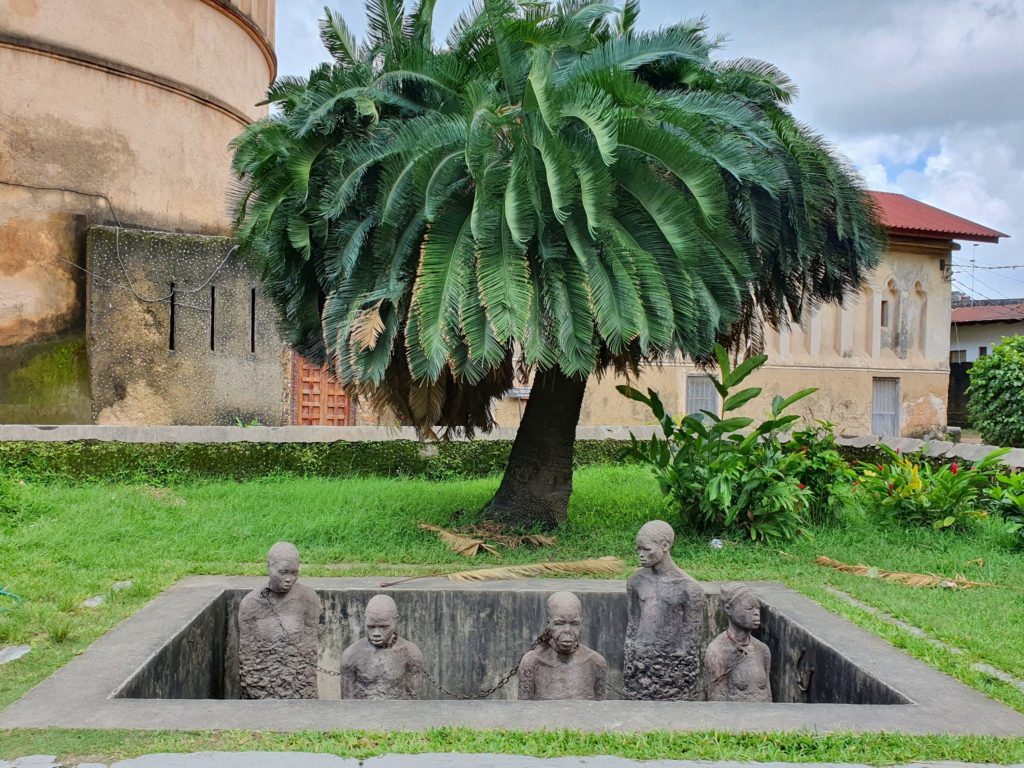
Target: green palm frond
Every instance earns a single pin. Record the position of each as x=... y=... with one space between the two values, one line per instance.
x=554 y=181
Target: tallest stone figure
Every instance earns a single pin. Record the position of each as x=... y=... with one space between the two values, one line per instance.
x=666 y=622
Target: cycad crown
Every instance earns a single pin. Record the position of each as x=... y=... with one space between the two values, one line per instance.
x=552 y=183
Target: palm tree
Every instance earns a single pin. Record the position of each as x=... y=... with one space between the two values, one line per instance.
x=552 y=192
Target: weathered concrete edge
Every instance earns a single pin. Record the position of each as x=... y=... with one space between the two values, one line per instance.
x=78 y=695
x=172 y=434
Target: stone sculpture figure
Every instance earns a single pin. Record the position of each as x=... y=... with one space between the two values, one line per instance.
x=277 y=629
x=562 y=668
x=737 y=664
x=381 y=665
x=661 y=659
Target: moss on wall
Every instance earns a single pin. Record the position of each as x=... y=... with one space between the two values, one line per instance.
x=45 y=383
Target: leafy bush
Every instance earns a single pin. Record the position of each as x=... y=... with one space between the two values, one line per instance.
x=997 y=381
x=911 y=492
x=823 y=471
x=1006 y=498
x=717 y=478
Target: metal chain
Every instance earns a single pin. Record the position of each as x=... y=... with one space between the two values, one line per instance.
x=699 y=691
x=264 y=594
x=544 y=637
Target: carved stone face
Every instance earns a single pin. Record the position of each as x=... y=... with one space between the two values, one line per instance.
x=381 y=625
x=565 y=622
x=650 y=550
x=745 y=612
x=283 y=572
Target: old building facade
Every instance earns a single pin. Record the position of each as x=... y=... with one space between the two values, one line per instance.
x=880 y=362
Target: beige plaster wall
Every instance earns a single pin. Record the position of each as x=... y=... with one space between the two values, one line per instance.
x=134 y=100
x=839 y=350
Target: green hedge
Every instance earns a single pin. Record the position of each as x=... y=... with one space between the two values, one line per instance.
x=89 y=460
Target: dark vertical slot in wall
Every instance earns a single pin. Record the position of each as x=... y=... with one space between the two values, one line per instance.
x=252 y=321
x=170 y=338
x=213 y=318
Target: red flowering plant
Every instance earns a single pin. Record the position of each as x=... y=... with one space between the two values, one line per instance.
x=823 y=470
x=907 y=489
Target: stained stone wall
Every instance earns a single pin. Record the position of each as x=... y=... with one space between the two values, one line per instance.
x=210 y=356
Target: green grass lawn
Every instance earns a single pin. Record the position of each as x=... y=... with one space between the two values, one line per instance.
x=80 y=539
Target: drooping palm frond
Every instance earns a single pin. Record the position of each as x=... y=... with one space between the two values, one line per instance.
x=555 y=182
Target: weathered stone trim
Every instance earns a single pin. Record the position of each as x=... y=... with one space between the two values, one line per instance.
x=117 y=69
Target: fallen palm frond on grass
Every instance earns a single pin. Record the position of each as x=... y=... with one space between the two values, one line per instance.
x=900 y=577
x=469 y=540
x=599 y=566
x=595 y=567
x=498 y=533
x=457 y=542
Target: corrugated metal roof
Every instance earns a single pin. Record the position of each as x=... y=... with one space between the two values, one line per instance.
x=992 y=313
x=904 y=215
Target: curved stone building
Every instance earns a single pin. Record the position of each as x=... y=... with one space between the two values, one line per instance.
x=134 y=101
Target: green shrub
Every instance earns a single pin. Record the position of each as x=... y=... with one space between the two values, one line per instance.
x=909 y=491
x=1006 y=499
x=823 y=470
x=719 y=479
x=160 y=463
x=997 y=381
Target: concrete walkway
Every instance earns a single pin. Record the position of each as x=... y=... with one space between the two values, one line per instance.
x=309 y=760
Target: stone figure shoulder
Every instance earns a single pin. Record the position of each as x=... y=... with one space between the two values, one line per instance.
x=277 y=632
x=542 y=675
x=738 y=674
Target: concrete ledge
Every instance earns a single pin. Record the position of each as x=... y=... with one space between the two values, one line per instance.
x=128 y=434
x=80 y=695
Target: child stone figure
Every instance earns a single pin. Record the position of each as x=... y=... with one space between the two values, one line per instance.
x=736 y=663
x=562 y=668
x=661 y=658
x=277 y=628
x=381 y=665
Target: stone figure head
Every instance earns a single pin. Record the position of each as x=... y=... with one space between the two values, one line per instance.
x=653 y=542
x=565 y=621
x=741 y=606
x=283 y=566
x=381 y=621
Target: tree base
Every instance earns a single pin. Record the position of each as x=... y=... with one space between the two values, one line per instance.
x=537 y=483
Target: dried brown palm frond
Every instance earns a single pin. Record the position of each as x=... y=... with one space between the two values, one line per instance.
x=463 y=545
x=498 y=533
x=367 y=326
x=900 y=577
x=598 y=566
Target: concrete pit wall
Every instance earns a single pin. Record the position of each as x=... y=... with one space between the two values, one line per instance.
x=211 y=376
x=470 y=639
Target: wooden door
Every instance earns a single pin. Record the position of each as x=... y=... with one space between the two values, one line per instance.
x=317 y=398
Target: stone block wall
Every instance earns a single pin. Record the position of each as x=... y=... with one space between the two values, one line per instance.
x=209 y=355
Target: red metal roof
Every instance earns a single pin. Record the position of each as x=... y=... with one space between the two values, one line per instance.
x=992 y=313
x=903 y=215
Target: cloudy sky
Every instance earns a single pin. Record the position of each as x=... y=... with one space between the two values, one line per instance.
x=926 y=97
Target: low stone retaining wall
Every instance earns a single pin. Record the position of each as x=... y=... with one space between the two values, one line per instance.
x=164 y=454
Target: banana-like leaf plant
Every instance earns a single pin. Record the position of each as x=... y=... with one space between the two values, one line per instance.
x=553 y=191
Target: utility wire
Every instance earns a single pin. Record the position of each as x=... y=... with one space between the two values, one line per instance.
x=1011 y=304
x=117 y=252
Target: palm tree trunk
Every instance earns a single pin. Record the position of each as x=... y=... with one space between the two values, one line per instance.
x=537 y=483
